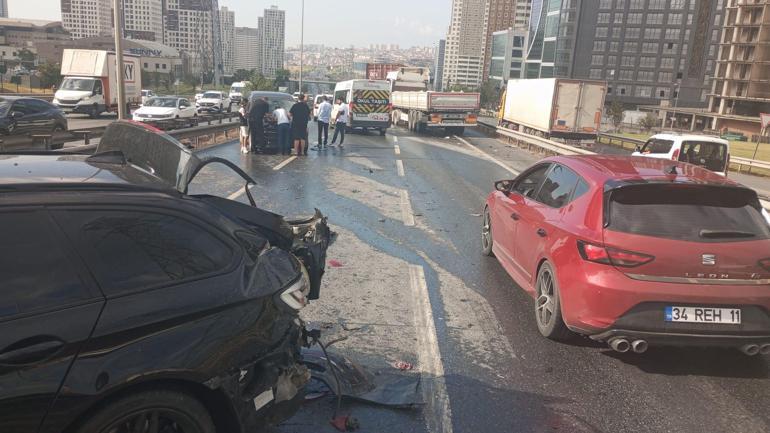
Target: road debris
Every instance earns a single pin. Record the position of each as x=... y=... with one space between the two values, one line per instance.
x=345 y=423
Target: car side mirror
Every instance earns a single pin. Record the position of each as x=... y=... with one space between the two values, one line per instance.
x=16 y=114
x=638 y=148
x=504 y=186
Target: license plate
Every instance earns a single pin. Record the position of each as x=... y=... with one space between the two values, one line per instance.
x=727 y=316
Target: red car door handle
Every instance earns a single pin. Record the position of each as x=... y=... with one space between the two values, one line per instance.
x=542 y=233
x=515 y=216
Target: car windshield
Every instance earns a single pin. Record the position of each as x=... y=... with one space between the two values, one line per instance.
x=212 y=95
x=161 y=102
x=657 y=145
x=79 y=84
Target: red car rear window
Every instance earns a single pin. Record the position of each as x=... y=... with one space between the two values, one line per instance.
x=687 y=212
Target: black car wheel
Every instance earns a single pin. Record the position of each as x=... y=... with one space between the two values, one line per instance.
x=151 y=412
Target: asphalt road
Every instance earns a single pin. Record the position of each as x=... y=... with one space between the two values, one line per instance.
x=409 y=284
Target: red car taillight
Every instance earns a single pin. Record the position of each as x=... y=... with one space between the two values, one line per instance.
x=612 y=256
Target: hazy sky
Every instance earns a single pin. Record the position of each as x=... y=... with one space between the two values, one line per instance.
x=330 y=22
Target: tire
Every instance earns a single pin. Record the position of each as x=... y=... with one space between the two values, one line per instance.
x=421 y=128
x=94 y=113
x=459 y=130
x=548 y=315
x=382 y=132
x=187 y=413
x=487 y=242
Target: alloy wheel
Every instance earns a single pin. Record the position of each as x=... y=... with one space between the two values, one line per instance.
x=155 y=420
x=545 y=304
x=486 y=231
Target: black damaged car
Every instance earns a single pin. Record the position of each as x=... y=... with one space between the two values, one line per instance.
x=130 y=305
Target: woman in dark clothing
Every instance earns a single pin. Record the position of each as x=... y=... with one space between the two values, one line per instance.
x=300 y=116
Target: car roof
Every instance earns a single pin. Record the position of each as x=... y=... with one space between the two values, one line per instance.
x=690 y=137
x=603 y=168
x=20 y=172
x=14 y=98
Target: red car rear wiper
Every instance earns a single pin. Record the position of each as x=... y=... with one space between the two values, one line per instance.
x=725 y=234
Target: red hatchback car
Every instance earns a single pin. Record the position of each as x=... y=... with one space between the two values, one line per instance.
x=635 y=251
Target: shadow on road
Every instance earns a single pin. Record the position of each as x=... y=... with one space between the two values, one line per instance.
x=716 y=362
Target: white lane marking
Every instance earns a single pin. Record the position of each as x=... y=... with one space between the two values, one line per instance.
x=407 y=216
x=487 y=156
x=237 y=194
x=286 y=162
x=438 y=411
x=400 y=167
x=397 y=149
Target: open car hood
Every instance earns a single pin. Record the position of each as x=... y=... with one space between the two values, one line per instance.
x=160 y=154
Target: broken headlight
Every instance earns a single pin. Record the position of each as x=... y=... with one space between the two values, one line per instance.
x=295 y=296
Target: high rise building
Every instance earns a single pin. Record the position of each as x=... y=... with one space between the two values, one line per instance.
x=87 y=18
x=504 y=15
x=647 y=50
x=3 y=8
x=246 y=43
x=227 y=31
x=741 y=90
x=272 y=31
x=438 y=66
x=143 y=19
x=507 y=55
x=192 y=26
x=465 y=43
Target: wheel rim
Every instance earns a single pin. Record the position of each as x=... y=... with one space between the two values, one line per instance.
x=486 y=231
x=545 y=298
x=155 y=420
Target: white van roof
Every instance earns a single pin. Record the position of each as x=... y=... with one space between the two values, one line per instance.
x=690 y=137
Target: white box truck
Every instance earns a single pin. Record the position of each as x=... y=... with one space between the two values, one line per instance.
x=90 y=81
x=420 y=109
x=554 y=107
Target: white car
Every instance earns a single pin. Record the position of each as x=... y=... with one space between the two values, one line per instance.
x=214 y=101
x=147 y=94
x=164 y=108
x=711 y=153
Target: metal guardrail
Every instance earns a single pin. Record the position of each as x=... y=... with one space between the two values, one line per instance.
x=751 y=163
x=531 y=142
x=611 y=139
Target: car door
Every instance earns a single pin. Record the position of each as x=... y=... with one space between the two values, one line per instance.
x=44 y=116
x=505 y=217
x=185 y=108
x=23 y=117
x=48 y=308
x=540 y=216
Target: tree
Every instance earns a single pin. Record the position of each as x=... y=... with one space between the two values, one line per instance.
x=490 y=95
x=50 y=74
x=260 y=82
x=648 y=122
x=282 y=77
x=26 y=55
x=242 y=75
x=616 y=112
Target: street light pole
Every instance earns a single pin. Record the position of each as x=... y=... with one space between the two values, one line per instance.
x=119 y=69
x=302 y=47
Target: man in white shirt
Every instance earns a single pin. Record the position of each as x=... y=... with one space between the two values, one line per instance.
x=283 y=128
x=343 y=113
x=324 y=117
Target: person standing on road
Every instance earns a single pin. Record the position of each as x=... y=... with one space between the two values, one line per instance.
x=284 y=129
x=244 y=127
x=256 y=123
x=300 y=116
x=343 y=112
x=324 y=117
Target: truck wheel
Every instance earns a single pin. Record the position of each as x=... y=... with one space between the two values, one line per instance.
x=382 y=132
x=459 y=130
x=94 y=112
x=421 y=127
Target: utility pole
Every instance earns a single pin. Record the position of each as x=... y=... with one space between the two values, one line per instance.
x=302 y=47
x=120 y=71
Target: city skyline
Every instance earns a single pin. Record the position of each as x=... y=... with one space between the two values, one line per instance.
x=404 y=22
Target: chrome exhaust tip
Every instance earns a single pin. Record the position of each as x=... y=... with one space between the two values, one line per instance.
x=640 y=346
x=750 y=349
x=765 y=349
x=620 y=345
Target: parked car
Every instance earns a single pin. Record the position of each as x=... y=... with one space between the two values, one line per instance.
x=164 y=108
x=147 y=94
x=317 y=103
x=20 y=116
x=157 y=309
x=214 y=102
x=635 y=252
x=274 y=100
x=711 y=153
